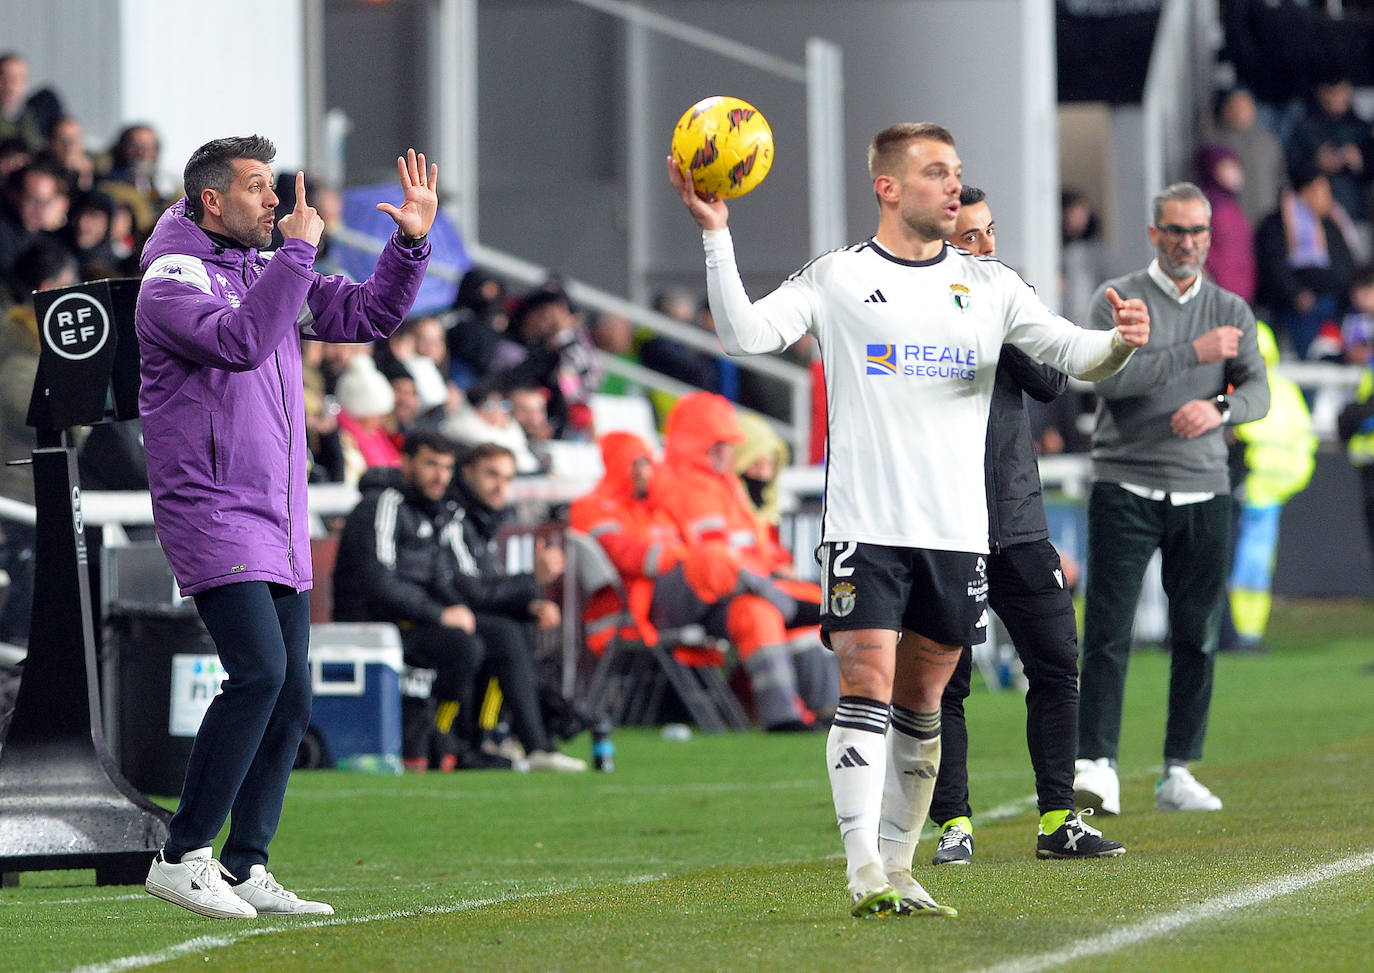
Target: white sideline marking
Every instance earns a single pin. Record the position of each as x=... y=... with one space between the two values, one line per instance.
x=211 y=942
x=1120 y=938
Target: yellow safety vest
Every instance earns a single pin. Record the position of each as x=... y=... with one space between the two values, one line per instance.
x=1361 y=447
x=1279 y=448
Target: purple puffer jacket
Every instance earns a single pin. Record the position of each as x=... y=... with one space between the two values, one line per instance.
x=223 y=418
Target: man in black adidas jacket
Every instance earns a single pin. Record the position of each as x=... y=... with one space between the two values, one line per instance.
x=1027 y=590
x=404 y=558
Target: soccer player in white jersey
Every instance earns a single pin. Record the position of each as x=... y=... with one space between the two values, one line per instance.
x=910 y=330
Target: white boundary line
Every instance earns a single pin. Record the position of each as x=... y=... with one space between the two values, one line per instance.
x=230 y=938
x=1121 y=937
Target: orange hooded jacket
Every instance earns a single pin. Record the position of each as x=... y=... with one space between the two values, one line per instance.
x=642 y=541
x=710 y=506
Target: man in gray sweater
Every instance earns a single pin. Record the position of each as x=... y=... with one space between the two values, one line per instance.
x=1160 y=483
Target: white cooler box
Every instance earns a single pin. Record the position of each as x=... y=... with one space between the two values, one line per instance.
x=355 y=671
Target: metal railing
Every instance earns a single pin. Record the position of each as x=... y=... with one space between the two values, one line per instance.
x=454 y=74
x=796 y=430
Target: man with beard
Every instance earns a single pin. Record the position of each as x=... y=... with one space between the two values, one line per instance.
x=219 y=327
x=1160 y=483
x=910 y=330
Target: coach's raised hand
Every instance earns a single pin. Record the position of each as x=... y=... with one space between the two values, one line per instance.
x=1132 y=318
x=302 y=223
x=416 y=215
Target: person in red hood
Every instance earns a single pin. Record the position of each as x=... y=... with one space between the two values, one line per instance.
x=669 y=583
x=770 y=616
x=701 y=490
x=640 y=539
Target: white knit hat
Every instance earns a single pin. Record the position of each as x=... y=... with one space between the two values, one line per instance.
x=363 y=391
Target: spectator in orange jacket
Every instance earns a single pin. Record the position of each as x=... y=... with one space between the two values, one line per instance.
x=701 y=490
x=670 y=583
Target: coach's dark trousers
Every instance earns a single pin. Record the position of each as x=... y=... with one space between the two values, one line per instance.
x=245 y=748
x=1193 y=539
x=1030 y=598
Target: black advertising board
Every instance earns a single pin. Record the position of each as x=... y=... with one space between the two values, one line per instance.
x=88 y=357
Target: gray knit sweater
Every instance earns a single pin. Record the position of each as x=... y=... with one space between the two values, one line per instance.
x=1132 y=440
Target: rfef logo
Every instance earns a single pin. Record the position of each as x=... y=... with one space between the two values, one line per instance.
x=76 y=326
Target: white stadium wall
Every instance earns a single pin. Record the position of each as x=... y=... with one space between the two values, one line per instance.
x=192 y=69
x=200 y=71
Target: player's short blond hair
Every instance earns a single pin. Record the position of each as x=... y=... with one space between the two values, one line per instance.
x=887 y=151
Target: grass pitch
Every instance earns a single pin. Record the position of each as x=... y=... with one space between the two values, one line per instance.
x=720 y=853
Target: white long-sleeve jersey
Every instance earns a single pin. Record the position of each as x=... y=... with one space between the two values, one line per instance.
x=909 y=349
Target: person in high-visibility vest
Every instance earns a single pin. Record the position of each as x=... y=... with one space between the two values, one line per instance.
x=1279 y=452
x=1356 y=429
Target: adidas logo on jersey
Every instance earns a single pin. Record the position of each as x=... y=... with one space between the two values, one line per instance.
x=851 y=758
x=875 y=298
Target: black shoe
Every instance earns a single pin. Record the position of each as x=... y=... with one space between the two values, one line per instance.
x=480 y=760
x=1076 y=839
x=956 y=844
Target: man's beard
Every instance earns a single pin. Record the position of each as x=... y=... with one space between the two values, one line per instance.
x=250 y=233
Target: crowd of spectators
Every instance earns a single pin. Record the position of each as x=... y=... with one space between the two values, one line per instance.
x=1292 y=198
x=1289 y=186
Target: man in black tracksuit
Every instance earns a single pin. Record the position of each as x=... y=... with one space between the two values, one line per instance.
x=404 y=558
x=482 y=491
x=1026 y=589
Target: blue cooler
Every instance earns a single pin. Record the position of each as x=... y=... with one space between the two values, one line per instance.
x=355 y=671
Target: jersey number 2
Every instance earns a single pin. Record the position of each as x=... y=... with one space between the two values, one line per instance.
x=835 y=566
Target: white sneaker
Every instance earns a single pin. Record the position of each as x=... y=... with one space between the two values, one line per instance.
x=553 y=760
x=1096 y=786
x=263 y=892
x=197 y=884
x=1178 y=790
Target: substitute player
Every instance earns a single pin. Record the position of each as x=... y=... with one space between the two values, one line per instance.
x=910 y=331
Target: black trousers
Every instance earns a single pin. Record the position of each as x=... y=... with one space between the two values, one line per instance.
x=1026 y=590
x=1367 y=488
x=500 y=647
x=1194 y=541
x=247 y=743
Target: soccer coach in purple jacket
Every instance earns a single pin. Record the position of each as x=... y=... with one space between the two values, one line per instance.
x=219 y=327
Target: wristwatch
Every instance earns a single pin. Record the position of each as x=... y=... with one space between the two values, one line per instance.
x=1223 y=404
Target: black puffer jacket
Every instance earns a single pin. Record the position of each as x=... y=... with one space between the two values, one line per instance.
x=404 y=558
x=1016 y=510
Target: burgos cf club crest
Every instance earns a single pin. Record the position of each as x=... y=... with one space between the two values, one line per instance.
x=961 y=295
x=882 y=360
x=842 y=599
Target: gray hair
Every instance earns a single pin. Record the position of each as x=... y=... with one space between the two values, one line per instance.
x=1179 y=192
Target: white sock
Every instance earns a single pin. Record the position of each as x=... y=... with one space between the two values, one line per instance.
x=913 y=761
x=856 y=757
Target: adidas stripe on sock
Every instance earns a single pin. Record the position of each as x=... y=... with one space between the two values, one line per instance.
x=856 y=758
x=913 y=761
x=859 y=713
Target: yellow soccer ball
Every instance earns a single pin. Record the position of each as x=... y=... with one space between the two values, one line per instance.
x=725 y=144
